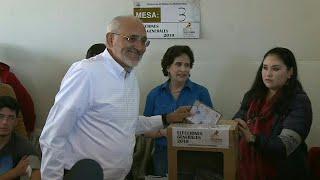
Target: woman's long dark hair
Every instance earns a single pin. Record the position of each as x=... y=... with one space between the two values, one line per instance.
x=259 y=91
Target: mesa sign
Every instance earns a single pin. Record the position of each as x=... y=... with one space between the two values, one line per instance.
x=148 y=15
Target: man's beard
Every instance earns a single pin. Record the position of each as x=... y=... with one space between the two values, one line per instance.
x=127 y=60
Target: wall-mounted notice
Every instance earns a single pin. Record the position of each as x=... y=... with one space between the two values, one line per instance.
x=169 y=19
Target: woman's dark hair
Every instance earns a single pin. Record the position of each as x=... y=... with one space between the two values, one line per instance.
x=172 y=53
x=95 y=50
x=9 y=102
x=259 y=90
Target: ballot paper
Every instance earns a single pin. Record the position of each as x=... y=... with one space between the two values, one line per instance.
x=203 y=114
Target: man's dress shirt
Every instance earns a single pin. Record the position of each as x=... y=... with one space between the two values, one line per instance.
x=95 y=116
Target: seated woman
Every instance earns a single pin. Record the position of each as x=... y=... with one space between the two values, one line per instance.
x=177 y=91
x=274 y=119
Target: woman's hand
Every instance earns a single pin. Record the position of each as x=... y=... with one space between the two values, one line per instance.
x=245 y=131
x=179 y=115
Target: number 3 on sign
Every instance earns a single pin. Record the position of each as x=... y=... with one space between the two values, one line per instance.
x=182 y=14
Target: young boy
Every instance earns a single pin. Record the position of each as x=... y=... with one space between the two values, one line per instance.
x=17 y=156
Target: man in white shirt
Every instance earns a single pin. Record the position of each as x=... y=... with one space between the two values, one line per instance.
x=95 y=114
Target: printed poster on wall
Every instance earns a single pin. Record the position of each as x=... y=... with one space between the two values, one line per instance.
x=169 y=19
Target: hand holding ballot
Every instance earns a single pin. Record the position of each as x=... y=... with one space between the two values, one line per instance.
x=203 y=114
x=179 y=115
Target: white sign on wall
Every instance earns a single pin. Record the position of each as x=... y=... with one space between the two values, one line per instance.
x=169 y=19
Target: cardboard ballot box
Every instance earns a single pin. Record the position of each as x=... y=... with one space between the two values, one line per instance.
x=198 y=151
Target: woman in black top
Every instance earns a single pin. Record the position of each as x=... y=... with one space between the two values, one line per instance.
x=274 y=119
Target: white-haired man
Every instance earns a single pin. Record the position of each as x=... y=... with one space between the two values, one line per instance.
x=95 y=114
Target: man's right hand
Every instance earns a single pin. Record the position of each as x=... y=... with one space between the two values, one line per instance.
x=179 y=115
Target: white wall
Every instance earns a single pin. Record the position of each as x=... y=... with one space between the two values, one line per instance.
x=40 y=39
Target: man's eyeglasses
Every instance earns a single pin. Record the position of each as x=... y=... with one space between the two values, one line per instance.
x=134 y=38
x=9 y=118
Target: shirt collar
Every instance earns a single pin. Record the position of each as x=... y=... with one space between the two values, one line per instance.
x=189 y=84
x=115 y=66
